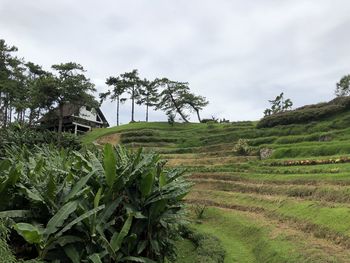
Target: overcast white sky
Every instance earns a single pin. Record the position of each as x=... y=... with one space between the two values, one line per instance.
x=236 y=53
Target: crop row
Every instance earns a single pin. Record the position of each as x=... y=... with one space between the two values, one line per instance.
x=311 y=162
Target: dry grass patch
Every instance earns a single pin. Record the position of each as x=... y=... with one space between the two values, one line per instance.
x=113 y=139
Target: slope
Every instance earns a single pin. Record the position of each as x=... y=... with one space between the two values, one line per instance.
x=291 y=207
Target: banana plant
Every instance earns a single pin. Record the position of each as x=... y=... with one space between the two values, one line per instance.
x=46 y=238
x=109 y=205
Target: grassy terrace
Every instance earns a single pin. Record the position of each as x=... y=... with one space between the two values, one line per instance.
x=261 y=210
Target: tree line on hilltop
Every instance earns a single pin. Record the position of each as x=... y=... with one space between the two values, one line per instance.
x=170 y=96
x=27 y=91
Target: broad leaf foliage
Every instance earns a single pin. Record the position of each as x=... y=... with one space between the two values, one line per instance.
x=98 y=206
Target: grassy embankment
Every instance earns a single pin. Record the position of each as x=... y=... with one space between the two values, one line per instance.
x=262 y=211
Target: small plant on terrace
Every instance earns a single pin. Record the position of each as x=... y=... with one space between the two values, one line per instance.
x=200 y=210
x=171 y=118
x=242 y=147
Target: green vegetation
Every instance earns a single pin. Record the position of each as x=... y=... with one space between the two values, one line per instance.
x=277 y=190
x=16 y=135
x=27 y=91
x=207 y=247
x=170 y=96
x=343 y=86
x=290 y=207
x=307 y=114
x=114 y=205
x=278 y=105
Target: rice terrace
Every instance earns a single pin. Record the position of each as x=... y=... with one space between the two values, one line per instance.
x=290 y=207
x=174 y=131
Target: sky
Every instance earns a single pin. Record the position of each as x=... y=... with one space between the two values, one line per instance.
x=238 y=54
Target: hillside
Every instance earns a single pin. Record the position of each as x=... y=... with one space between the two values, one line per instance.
x=291 y=207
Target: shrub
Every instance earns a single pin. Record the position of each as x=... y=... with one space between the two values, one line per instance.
x=105 y=206
x=242 y=147
x=17 y=135
x=313 y=162
x=199 y=211
x=5 y=252
x=171 y=119
x=307 y=151
x=212 y=120
x=142 y=132
x=307 y=113
x=147 y=139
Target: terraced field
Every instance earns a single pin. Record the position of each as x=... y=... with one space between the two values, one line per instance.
x=291 y=207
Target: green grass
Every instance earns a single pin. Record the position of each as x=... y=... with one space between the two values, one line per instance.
x=97 y=133
x=335 y=218
x=311 y=199
x=244 y=240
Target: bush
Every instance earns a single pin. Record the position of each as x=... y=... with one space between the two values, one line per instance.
x=5 y=252
x=313 y=162
x=305 y=138
x=212 y=120
x=146 y=139
x=199 y=211
x=242 y=147
x=307 y=113
x=142 y=132
x=17 y=135
x=112 y=205
x=307 y=151
x=171 y=119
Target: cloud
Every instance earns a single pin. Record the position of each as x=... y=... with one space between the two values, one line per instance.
x=238 y=54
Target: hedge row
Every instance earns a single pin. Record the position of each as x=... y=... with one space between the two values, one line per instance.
x=307 y=113
x=312 y=162
x=146 y=139
x=309 y=151
x=17 y=135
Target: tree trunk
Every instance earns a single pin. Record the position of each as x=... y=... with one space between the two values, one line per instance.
x=31 y=117
x=132 y=104
x=117 y=110
x=60 y=124
x=147 y=104
x=178 y=109
x=1 y=111
x=5 y=112
x=198 y=116
x=10 y=115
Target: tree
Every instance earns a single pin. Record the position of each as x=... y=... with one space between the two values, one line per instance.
x=279 y=104
x=17 y=95
x=19 y=90
x=8 y=84
x=35 y=96
x=148 y=95
x=117 y=90
x=343 y=86
x=132 y=84
x=196 y=103
x=171 y=97
x=71 y=86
